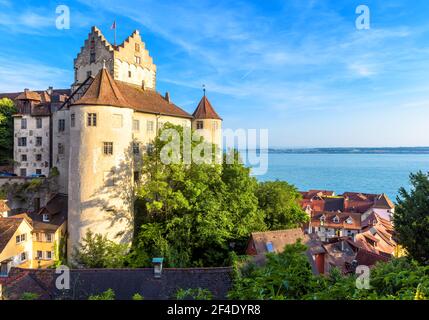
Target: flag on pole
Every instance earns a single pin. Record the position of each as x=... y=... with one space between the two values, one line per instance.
x=113 y=27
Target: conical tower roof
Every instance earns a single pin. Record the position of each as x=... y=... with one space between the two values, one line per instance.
x=103 y=91
x=205 y=110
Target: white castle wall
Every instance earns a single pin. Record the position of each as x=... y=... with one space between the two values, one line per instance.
x=94 y=204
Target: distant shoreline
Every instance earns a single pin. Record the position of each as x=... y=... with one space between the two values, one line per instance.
x=384 y=150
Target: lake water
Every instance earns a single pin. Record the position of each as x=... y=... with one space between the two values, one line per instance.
x=370 y=173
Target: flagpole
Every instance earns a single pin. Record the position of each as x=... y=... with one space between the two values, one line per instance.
x=115 y=34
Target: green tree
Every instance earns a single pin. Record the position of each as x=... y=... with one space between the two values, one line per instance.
x=29 y=296
x=286 y=275
x=280 y=204
x=96 y=251
x=7 y=109
x=194 y=294
x=137 y=297
x=192 y=214
x=411 y=218
x=109 y=294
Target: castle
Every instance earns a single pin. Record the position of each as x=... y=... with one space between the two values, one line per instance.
x=95 y=135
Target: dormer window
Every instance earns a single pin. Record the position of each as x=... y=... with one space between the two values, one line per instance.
x=45 y=217
x=336 y=219
x=349 y=220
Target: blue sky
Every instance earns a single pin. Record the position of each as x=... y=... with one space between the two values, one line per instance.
x=297 y=67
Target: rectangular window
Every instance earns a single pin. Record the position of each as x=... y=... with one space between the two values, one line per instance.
x=38 y=141
x=137 y=46
x=38 y=171
x=23 y=256
x=23 y=172
x=117 y=121
x=49 y=237
x=22 y=142
x=23 y=157
x=138 y=60
x=48 y=255
x=23 y=123
x=136 y=148
x=21 y=238
x=150 y=126
x=92 y=57
x=39 y=255
x=129 y=74
x=45 y=217
x=136 y=176
x=200 y=125
x=72 y=120
x=91 y=120
x=60 y=148
x=61 y=125
x=38 y=157
x=136 y=125
x=108 y=148
x=38 y=123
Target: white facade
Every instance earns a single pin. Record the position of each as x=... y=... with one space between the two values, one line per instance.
x=31 y=145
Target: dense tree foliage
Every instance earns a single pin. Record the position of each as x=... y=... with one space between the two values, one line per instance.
x=288 y=276
x=280 y=203
x=193 y=214
x=411 y=218
x=7 y=109
x=95 y=251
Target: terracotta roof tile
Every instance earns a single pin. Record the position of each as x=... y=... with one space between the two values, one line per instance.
x=29 y=95
x=8 y=227
x=205 y=110
x=104 y=90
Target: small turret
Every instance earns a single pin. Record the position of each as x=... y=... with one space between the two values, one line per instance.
x=207 y=122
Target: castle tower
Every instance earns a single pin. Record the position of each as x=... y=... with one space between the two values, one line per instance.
x=100 y=167
x=128 y=62
x=207 y=122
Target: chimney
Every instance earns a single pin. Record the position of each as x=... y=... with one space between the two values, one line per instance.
x=143 y=85
x=167 y=97
x=26 y=90
x=50 y=90
x=157 y=267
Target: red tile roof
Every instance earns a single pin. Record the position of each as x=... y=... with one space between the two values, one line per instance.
x=104 y=90
x=205 y=110
x=316 y=220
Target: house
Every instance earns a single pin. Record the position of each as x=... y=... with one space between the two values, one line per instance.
x=4 y=209
x=261 y=243
x=377 y=236
x=15 y=243
x=329 y=225
x=124 y=282
x=49 y=227
x=35 y=240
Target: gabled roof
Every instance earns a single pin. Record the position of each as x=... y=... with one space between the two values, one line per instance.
x=29 y=95
x=8 y=227
x=205 y=110
x=383 y=202
x=106 y=91
x=278 y=239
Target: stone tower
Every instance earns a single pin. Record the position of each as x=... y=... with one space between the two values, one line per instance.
x=100 y=164
x=128 y=62
x=207 y=122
